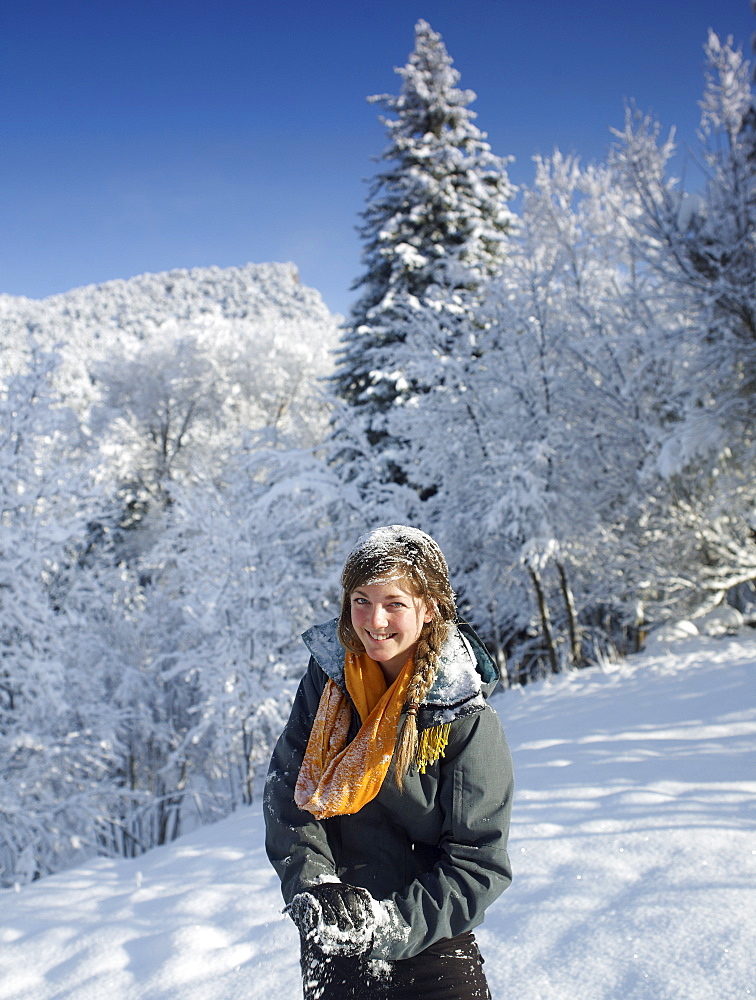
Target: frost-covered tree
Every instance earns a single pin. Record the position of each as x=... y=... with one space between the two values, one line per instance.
x=162 y=400
x=435 y=230
x=437 y=217
x=236 y=575
x=55 y=740
x=703 y=247
x=144 y=665
x=546 y=451
x=177 y=401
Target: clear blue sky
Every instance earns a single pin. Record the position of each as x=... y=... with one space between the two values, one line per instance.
x=151 y=134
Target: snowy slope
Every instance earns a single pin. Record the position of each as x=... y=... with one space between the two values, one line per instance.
x=261 y=308
x=633 y=845
x=252 y=291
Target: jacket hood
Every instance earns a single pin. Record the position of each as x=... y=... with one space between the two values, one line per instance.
x=466 y=675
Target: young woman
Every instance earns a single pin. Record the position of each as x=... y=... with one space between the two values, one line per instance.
x=389 y=792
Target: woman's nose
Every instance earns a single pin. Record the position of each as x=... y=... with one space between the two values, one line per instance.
x=378 y=617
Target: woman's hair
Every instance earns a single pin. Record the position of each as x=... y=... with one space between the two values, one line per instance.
x=398 y=552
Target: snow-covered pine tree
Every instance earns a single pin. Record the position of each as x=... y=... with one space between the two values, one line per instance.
x=435 y=229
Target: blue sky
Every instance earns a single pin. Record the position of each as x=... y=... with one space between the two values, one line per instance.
x=141 y=136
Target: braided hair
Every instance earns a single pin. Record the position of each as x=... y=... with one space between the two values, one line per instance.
x=392 y=553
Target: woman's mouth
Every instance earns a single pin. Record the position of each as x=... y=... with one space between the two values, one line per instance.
x=380 y=638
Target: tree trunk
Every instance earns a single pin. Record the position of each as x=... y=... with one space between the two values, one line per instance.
x=576 y=651
x=545 y=620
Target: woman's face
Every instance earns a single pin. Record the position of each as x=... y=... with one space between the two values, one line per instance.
x=388 y=619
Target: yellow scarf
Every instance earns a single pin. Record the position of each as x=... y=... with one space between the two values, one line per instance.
x=336 y=778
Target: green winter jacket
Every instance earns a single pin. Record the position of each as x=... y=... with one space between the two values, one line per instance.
x=435 y=853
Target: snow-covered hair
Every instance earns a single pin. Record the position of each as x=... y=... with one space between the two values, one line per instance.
x=399 y=552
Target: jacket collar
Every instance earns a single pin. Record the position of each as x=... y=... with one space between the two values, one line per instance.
x=323 y=643
x=466 y=673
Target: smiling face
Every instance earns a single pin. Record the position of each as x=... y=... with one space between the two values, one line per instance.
x=388 y=619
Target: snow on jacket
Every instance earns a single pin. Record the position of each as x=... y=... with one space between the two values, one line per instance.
x=435 y=853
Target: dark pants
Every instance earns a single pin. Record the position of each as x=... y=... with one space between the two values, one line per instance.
x=451 y=969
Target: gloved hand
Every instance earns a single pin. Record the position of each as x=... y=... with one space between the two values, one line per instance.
x=335 y=916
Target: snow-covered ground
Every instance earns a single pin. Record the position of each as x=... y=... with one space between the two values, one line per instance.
x=633 y=844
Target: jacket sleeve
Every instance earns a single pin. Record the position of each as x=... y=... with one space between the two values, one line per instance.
x=295 y=841
x=475 y=796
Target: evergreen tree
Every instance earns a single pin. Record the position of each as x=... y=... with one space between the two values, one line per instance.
x=434 y=230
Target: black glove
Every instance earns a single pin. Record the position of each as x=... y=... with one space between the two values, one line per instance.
x=346 y=906
x=337 y=917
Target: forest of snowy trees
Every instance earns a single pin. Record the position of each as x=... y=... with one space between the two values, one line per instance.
x=558 y=383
